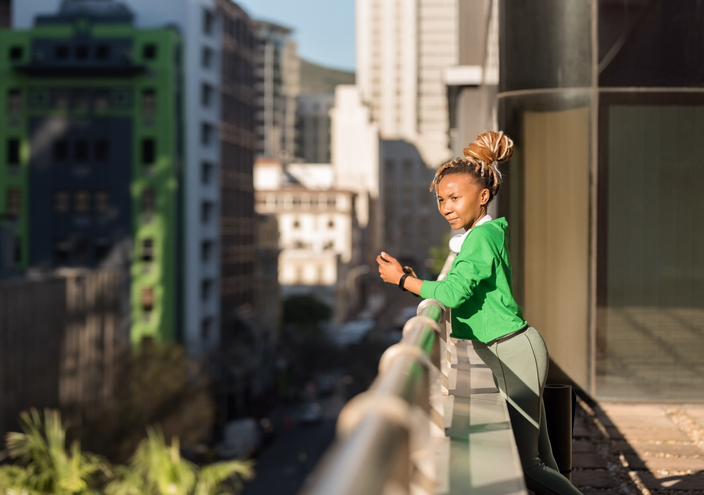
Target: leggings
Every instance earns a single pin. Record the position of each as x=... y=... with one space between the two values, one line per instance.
x=520 y=368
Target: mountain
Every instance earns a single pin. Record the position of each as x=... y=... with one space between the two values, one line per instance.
x=318 y=79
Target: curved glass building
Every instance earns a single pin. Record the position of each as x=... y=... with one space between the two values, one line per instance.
x=605 y=102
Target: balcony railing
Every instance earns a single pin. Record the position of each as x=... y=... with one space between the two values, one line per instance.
x=432 y=422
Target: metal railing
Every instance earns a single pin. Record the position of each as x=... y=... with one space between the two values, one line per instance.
x=384 y=435
x=432 y=422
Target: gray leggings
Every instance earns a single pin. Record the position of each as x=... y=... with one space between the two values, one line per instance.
x=520 y=368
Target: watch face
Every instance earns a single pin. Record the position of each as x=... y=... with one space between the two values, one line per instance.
x=456 y=243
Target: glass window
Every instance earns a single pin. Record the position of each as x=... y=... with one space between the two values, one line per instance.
x=80 y=151
x=206 y=289
x=102 y=52
x=149 y=51
x=207 y=57
x=61 y=51
x=206 y=172
x=14 y=101
x=206 y=211
x=16 y=52
x=650 y=286
x=59 y=151
x=13 y=151
x=148 y=151
x=206 y=250
x=208 y=21
x=61 y=201
x=147 y=299
x=206 y=95
x=82 y=52
x=62 y=248
x=81 y=202
x=206 y=134
x=205 y=328
x=14 y=202
x=147 y=250
x=148 y=102
x=102 y=150
x=148 y=202
x=102 y=201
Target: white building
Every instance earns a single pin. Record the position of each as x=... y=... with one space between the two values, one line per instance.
x=318 y=233
x=200 y=28
x=403 y=50
x=355 y=150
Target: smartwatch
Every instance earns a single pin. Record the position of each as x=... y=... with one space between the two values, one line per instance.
x=402 y=281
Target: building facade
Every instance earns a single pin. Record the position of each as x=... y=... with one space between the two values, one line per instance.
x=5 y=13
x=604 y=188
x=313 y=128
x=216 y=140
x=319 y=236
x=403 y=49
x=277 y=84
x=238 y=222
x=91 y=152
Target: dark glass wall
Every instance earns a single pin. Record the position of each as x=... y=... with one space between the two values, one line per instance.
x=603 y=194
x=650 y=281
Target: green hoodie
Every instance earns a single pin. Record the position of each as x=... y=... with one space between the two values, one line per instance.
x=478 y=287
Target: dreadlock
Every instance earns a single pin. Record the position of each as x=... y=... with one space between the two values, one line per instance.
x=481 y=159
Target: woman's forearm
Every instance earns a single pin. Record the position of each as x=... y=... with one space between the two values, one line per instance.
x=412 y=284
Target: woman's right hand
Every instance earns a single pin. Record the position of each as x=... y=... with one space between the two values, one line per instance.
x=390 y=269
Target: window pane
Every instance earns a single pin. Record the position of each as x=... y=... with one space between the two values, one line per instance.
x=652 y=271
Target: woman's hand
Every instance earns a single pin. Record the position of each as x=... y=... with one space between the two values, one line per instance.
x=389 y=268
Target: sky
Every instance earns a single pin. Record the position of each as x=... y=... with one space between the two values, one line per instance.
x=323 y=29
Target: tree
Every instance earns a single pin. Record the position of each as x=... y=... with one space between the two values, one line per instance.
x=158 y=469
x=44 y=465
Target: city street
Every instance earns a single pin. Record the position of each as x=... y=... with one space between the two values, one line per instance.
x=283 y=465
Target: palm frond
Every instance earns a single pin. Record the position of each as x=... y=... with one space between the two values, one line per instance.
x=213 y=476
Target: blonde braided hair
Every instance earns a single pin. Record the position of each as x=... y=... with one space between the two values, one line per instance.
x=481 y=159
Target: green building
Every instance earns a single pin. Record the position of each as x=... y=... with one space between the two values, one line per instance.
x=90 y=152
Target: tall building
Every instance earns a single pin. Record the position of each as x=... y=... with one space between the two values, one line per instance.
x=313 y=138
x=90 y=151
x=604 y=189
x=277 y=83
x=5 y=13
x=216 y=120
x=238 y=223
x=412 y=223
x=403 y=49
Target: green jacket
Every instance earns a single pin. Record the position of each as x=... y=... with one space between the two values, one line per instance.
x=478 y=287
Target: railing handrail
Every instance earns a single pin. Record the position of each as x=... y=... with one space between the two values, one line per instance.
x=381 y=430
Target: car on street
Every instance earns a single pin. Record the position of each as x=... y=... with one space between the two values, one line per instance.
x=310 y=413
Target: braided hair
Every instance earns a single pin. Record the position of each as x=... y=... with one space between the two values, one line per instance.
x=480 y=160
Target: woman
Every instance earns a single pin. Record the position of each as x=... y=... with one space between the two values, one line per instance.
x=478 y=290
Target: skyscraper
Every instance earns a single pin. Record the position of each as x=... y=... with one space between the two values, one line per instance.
x=277 y=82
x=403 y=49
x=90 y=151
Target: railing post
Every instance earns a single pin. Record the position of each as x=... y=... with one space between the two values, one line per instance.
x=557 y=400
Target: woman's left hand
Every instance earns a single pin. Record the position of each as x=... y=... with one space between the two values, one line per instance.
x=389 y=268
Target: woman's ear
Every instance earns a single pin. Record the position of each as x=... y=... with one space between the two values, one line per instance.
x=484 y=197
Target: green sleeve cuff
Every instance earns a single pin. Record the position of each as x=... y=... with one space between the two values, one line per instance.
x=427 y=290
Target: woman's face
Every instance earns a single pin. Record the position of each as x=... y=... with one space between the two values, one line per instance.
x=461 y=200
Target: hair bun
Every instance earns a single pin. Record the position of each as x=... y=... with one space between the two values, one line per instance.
x=490 y=147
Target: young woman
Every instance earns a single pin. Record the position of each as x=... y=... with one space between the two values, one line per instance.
x=478 y=289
